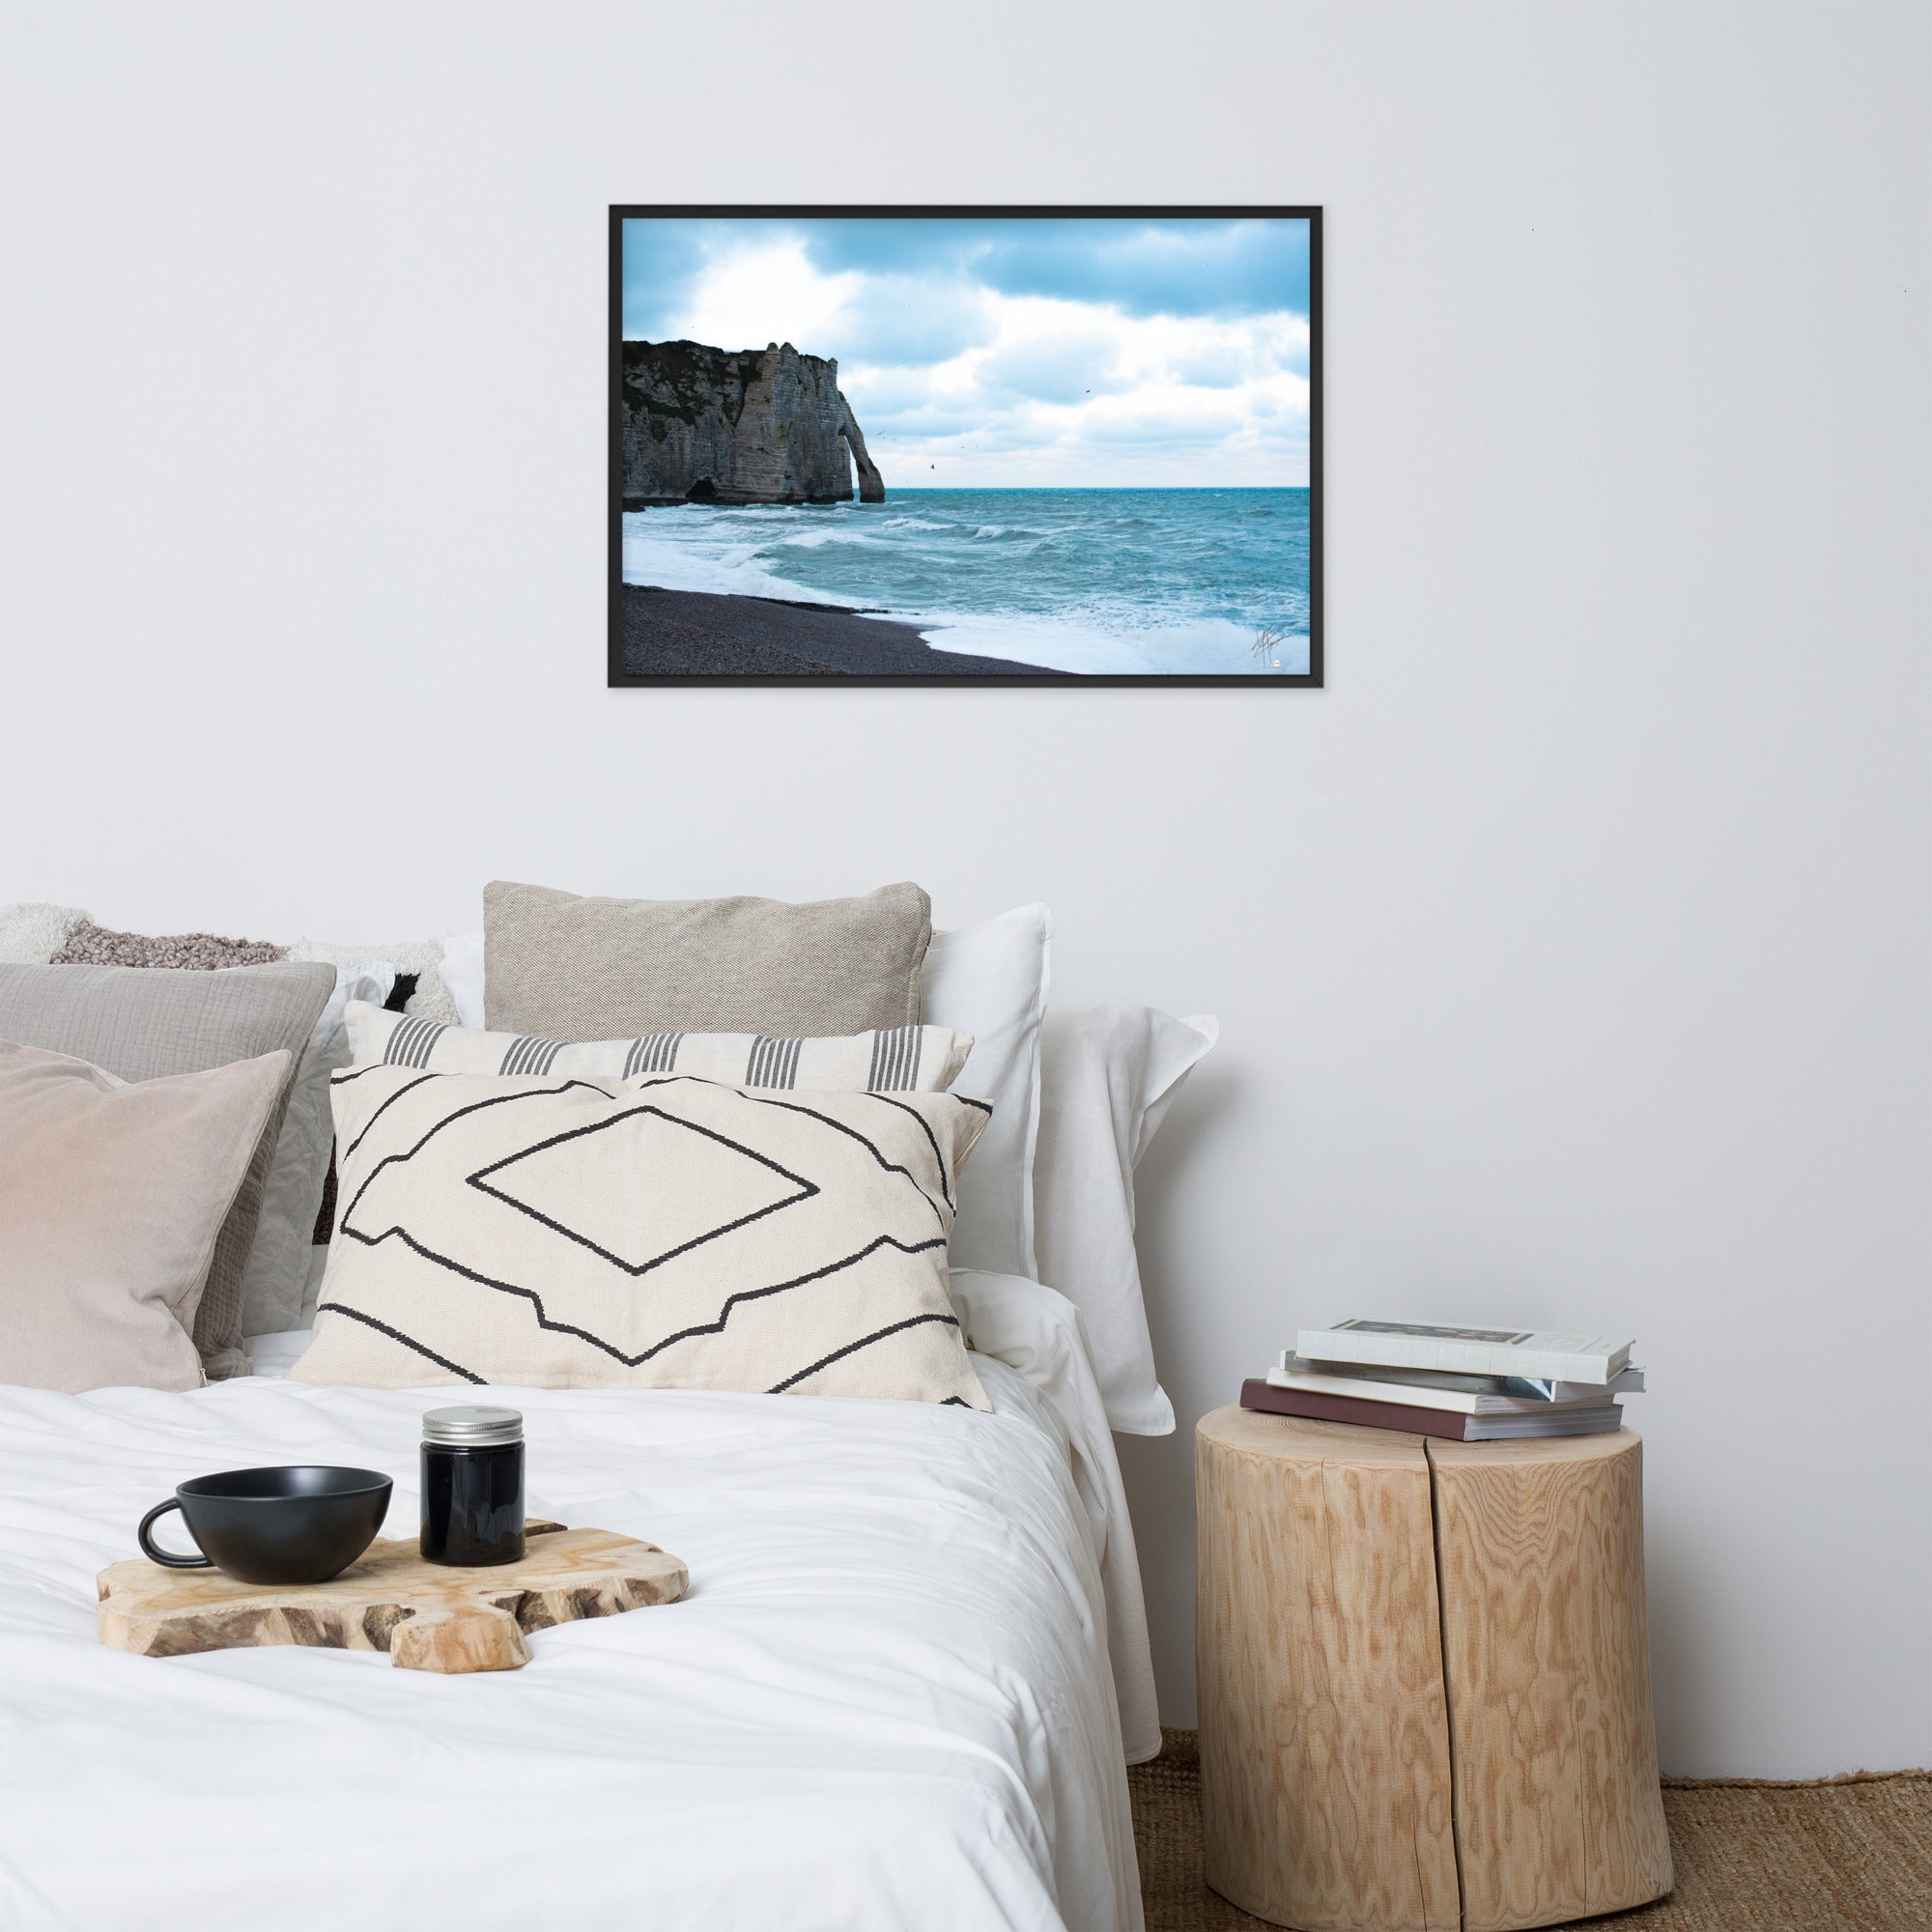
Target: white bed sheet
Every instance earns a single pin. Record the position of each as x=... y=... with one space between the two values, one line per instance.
x=886 y=1702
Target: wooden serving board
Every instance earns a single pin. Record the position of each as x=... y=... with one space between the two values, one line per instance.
x=426 y=1615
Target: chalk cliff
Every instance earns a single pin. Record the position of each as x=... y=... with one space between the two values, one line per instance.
x=747 y=426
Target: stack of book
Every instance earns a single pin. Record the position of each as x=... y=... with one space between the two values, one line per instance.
x=1468 y=1384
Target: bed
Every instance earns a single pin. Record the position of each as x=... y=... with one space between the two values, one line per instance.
x=912 y=1664
x=902 y=1691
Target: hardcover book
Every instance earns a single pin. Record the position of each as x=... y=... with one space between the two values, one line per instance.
x=1459 y=1395
x=1464 y=1351
x=1591 y=1419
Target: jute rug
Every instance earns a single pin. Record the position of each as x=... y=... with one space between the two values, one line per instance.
x=1849 y=1854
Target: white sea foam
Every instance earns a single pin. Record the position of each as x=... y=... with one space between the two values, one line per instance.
x=1209 y=646
x=676 y=551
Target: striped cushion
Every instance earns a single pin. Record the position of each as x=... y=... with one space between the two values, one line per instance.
x=896 y=1059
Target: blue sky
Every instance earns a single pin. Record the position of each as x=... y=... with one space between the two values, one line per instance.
x=1009 y=351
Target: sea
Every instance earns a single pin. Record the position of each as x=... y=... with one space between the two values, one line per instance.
x=1119 y=583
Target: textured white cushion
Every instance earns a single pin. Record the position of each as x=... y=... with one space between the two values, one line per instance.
x=656 y=1233
x=421 y=956
x=1109 y=1075
x=900 y=1060
x=991 y=980
x=32 y=933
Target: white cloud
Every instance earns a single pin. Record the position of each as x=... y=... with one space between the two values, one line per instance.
x=1041 y=391
x=769 y=293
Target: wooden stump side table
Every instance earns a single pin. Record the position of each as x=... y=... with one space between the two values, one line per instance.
x=1423 y=1677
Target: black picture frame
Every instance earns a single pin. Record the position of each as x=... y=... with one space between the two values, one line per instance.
x=617 y=678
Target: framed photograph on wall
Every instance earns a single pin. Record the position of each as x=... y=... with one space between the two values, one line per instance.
x=965 y=445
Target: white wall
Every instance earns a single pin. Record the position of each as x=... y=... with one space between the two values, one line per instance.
x=1570 y=947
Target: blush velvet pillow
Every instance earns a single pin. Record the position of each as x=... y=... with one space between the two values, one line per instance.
x=656 y=1233
x=140 y=1025
x=112 y=1194
x=268 y=1293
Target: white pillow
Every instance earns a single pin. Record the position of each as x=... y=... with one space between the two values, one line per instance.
x=277 y=1265
x=1109 y=1075
x=991 y=980
x=462 y=975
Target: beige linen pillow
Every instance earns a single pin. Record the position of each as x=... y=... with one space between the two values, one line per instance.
x=570 y=968
x=112 y=1195
x=655 y=1233
x=141 y=1025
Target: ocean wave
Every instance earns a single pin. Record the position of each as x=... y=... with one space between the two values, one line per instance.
x=1144 y=582
x=818 y=539
x=732 y=571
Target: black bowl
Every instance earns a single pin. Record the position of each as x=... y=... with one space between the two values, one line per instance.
x=301 y=1525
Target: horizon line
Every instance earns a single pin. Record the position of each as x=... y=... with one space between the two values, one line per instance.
x=906 y=487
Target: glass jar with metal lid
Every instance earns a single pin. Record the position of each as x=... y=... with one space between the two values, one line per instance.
x=472 y=1486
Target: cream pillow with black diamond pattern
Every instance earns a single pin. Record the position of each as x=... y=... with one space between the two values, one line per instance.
x=661 y=1232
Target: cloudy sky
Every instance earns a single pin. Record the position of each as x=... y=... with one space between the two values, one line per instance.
x=985 y=354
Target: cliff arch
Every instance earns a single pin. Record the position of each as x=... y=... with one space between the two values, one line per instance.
x=872 y=485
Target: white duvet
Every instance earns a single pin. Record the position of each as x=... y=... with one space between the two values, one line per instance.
x=887 y=1701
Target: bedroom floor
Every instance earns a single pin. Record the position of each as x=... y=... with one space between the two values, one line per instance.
x=1849 y=1856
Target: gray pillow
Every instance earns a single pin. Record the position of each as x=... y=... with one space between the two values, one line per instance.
x=142 y=1025
x=575 y=968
